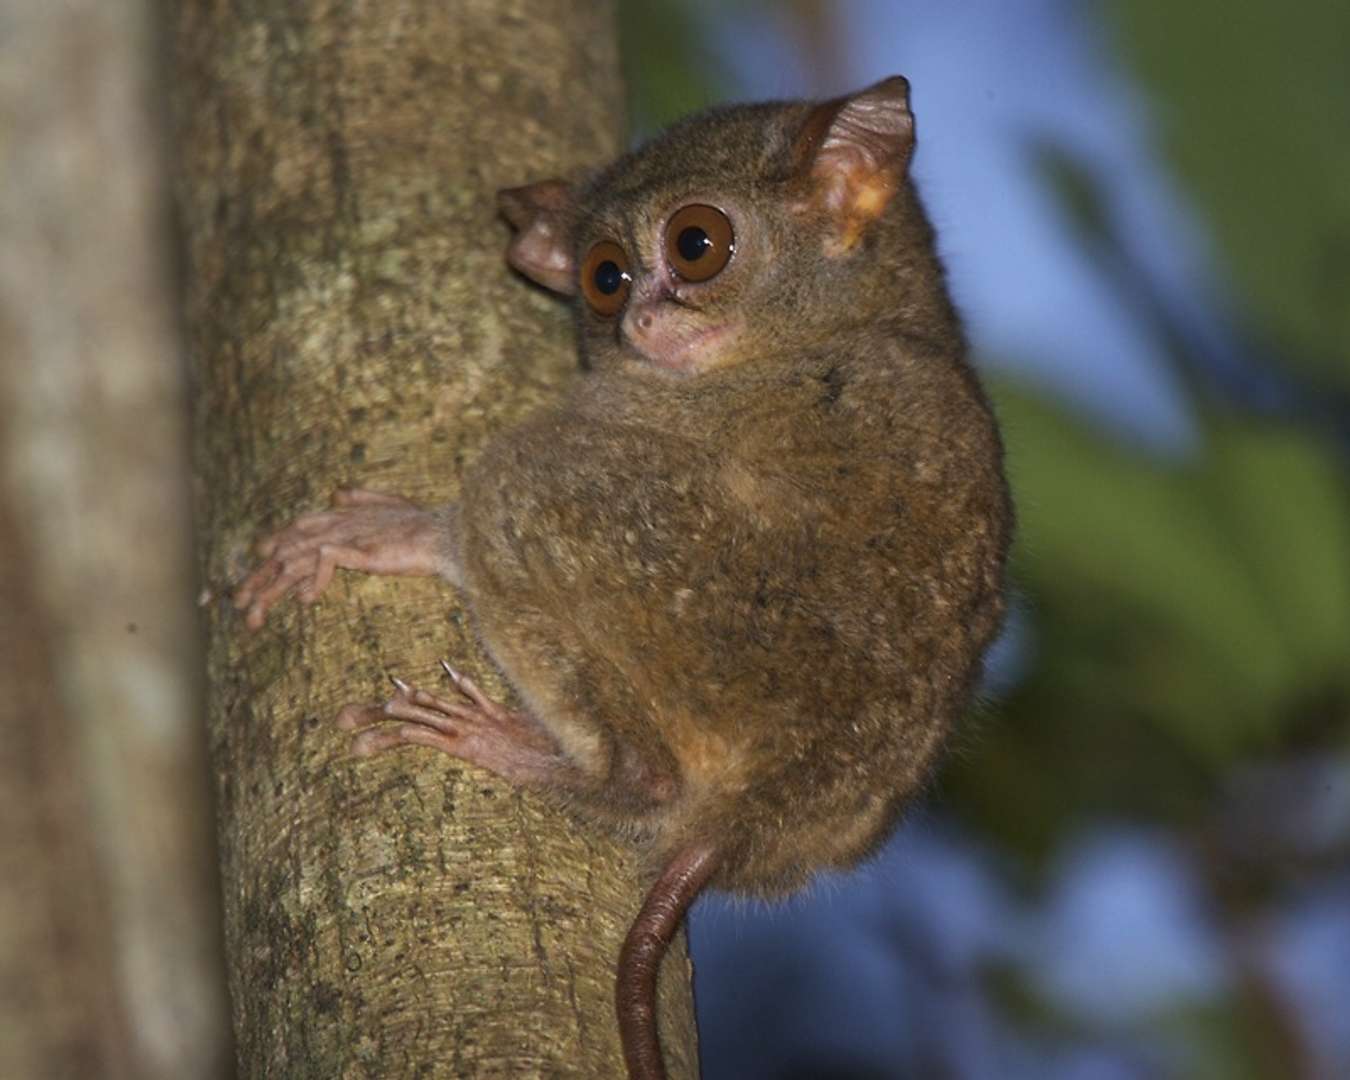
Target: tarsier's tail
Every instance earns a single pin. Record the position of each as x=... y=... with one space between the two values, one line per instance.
x=639 y=961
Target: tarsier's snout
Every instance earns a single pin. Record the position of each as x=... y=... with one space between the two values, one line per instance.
x=671 y=336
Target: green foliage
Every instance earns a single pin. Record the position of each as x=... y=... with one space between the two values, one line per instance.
x=1183 y=614
x=1210 y=1037
x=1253 y=107
x=666 y=64
x=1224 y=1043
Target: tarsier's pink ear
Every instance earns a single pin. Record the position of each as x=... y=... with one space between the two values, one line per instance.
x=542 y=246
x=856 y=151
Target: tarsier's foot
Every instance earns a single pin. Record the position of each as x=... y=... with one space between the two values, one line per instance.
x=365 y=530
x=470 y=726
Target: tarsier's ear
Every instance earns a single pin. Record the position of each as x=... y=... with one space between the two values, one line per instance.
x=542 y=246
x=856 y=152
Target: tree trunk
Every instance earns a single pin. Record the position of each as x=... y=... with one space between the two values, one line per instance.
x=351 y=320
x=110 y=959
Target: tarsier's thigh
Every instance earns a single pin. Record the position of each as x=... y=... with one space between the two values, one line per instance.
x=588 y=704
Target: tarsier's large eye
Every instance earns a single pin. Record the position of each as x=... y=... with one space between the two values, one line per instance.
x=699 y=242
x=605 y=278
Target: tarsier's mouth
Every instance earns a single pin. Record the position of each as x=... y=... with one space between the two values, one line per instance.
x=686 y=350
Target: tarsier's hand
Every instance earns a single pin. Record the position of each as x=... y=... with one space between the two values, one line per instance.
x=365 y=530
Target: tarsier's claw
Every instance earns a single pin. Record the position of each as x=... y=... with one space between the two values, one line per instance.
x=469 y=689
x=403 y=687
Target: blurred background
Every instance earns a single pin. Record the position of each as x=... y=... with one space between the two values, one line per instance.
x=1135 y=863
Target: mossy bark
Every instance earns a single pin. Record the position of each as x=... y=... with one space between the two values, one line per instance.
x=351 y=320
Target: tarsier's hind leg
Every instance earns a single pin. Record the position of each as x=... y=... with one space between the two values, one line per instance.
x=469 y=726
x=629 y=783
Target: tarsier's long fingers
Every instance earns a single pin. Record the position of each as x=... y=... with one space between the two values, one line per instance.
x=330 y=557
x=433 y=701
x=311 y=570
x=377 y=740
x=445 y=717
x=285 y=579
x=410 y=704
x=255 y=583
x=469 y=689
x=297 y=532
x=430 y=726
x=280 y=548
x=298 y=547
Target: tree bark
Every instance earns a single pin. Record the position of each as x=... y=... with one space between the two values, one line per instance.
x=110 y=958
x=351 y=320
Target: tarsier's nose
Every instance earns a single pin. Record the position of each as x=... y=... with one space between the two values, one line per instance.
x=640 y=320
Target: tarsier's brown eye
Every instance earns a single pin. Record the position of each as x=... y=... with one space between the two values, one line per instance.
x=699 y=242
x=605 y=278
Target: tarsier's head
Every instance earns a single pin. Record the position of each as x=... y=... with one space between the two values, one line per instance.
x=702 y=248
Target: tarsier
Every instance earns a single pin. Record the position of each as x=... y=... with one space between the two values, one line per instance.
x=742 y=577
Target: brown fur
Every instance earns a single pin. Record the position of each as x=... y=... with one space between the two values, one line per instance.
x=770 y=583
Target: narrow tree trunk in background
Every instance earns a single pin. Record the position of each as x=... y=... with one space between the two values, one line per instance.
x=352 y=320
x=110 y=961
